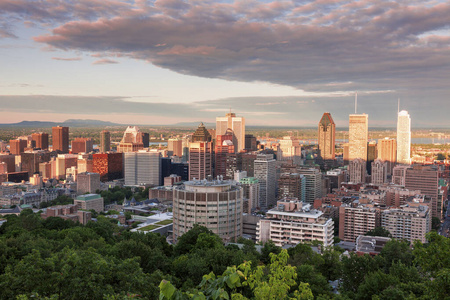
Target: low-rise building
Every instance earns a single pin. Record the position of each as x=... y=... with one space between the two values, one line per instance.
x=89 y=201
x=293 y=222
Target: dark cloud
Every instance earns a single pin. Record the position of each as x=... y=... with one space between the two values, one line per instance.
x=322 y=46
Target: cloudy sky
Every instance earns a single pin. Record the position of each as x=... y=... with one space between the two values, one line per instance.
x=280 y=63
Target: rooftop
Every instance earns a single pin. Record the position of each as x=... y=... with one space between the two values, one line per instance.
x=88 y=197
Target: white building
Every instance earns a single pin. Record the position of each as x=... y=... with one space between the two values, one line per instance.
x=403 y=138
x=265 y=172
x=237 y=125
x=294 y=222
x=410 y=223
x=142 y=167
x=313 y=187
x=290 y=149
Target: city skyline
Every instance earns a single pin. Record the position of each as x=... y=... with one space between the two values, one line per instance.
x=276 y=63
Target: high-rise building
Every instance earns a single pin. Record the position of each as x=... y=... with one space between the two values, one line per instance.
x=31 y=159
x=372 y=153
x=250 y=189
x=358 y=134
x=356 y=220
x=357 y=170
x=224 y=146
x=217 y=205
x=60 y=139
x=403 y=138
x=379 y=172
x=237 y=125
x=10 y=162
x=200 y=154
x=88 y=183
x=250 y=142
x=290 y=149
x=234 y=164
x=175 y=147
x=327 y=137
x=313 y=187
x=145 y=137
x=17 y=146
x=425 y=179
x=409 y=223
x=82 y=145
x=131 y=140
x=108 y=165
x=105 y=141
x=387 y=151
x=265 y=172
x=41 y=140
x=248 y=163
x=290 y=186
x=142 y=167
x=399 y=174
x=64 y=162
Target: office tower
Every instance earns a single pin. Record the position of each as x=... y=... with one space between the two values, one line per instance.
x=293 y=222
x=108 y=165
x=250 y=142
x=200 y=154
x=248 y=163
x=10 y=162
x=224 y=146
x=201 y=134
x=180 y=169
x=327 y=137
x=131 y=140
x=145 y=137
x=403 y=138
x=85 y=163
x=237 y=125
x=407 y=223
x=31 y=159
x=358 y=133
x=265 y=172
x=60 y=139
x=289 y=186
x=425 y=179
x=217 y=205
x=82 y=145
x=357 y=170
x=233 y=164
x=356 y=219
x=88 y=183
x=399 y=174
x=289 y=149
x=250 y=189
x=105 y=141
x=346 y=154
x=379 y=172
x=387 y=151
x=313 y=188
x=175 y=147
x=41 y=140
x=142 y=168
x=371 y=155
x=17 y=146
x=63 y=162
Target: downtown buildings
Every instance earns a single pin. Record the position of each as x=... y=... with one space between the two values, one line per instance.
x=237 y=125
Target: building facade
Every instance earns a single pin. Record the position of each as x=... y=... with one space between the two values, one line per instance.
x=237 y=125
x=403 y=138
x=358 y=133
x=265 y=172
x=60 y=139
x=142 y=168
x=327 y=137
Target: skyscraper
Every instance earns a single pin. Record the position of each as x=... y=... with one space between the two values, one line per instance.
x=224 y=145
x=60 y=136
x=357 y=170
x=142 y=167
x=82 y=145
x=105 y=141
x=200 y=154
x=131 y=140
x=358 y=133
x=387 y=151
x=41 y=140
x=290 y=149
x=379 y=172
x=237 y=125
x=404 y=138
x=175 y=147
x=327 y=137
x=265 y=172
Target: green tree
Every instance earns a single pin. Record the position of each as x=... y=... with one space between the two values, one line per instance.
x=379 y=231
x=435 y=223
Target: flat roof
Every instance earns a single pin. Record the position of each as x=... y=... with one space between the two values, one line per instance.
x=88 y=197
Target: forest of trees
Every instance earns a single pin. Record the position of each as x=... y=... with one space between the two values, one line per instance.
x=60 y=259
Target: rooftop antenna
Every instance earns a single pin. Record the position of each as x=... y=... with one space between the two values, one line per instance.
x=356 y=101
x=230 y=109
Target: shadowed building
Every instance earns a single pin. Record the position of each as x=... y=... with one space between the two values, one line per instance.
x=105 y=141
x=327 y=137
x=41 y=140
x=108 y=165
x=200 y=154
x=387 y=151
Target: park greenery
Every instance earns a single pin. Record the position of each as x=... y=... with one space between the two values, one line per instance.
x=60 y=259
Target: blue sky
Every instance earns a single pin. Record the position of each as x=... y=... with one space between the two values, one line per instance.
x=276 y=63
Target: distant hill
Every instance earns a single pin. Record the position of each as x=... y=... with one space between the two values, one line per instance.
x=68 y=123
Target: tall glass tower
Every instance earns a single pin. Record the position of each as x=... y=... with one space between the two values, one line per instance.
x=403 y=138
